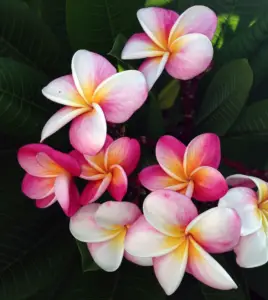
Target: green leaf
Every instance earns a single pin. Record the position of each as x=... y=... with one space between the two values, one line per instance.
x=225 y=97
x=88 y=263
x=24 y=37
x=253 y=121
x=259 y=64
x=23 y=109
x=169 y=94
x=157 y=2
x=155 y=122
x=94 y=24
x=118 y=46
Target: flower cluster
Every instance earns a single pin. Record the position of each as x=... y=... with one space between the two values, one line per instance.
x=168 y=233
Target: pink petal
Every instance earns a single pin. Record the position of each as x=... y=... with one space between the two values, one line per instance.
x=217 y=230
x=157 y=23
x=108 y=255
x=170 y=268
x=245 y=203
x=113 y=95
x=94 y=190
x=203 y=150
x=46 y=202
x=60 y=119
x=251 y=252
x=84 y=227
x=118 y=184
x=169 y=154
x=152 y=68
x=37 y=187
x=140 y=46
x=143 y=240
x=63 y=91
x=124 y=152
x=140 y=261
x=196 y=19
x=154 y=178
x=169 y=212
x=27 y=159
x=89 y=70
x=209 y=184
x=250 y=181
x=88 y=131
x=112 y=215
x=191 y=56
x=206 y=269
x=67 y=194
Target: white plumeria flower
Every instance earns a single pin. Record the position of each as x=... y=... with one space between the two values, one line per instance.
x=252 y=207
x=104 y=227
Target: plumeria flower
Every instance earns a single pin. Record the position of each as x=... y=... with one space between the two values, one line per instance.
x=252 y=207
x=181 y=45
x=104 y=228
x=108 y=169
x=179 y=240
x=92 y=95
x=49 y=177
x=190 y=170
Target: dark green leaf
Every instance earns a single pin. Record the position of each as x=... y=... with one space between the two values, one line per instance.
x=118 y=46
x=155 y=122
x=169 y=94
x=88 y=263
x=225 y=97
x=157 y=2
x=94 y=24
x=259 y=64
x=26 y=38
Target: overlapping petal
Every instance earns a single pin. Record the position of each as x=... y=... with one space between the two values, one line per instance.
x=46 y=202
x=140 y=261
x=169 y=212
x=118 y=184
x=217 y=230
x=88 y=131
x=191 y=55
x=37 y=187
x=113 y=95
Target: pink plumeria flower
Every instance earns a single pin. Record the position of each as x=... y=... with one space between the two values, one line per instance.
x=104 y=228
x=93 y=94
x=190 y=170
x=181 y=45
x=49 y=177
x=252 y=207
x=179 y=240
x=108 y=169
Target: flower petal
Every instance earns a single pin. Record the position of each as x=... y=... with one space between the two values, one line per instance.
x=60 y=119
x=244 y=201
x=203 y=150
x=108 y=255
x=252 y=251
x=217 y=230
x=84 y=227
x=63 y=91
x=143 y=240
x=140 y=46
x=113 y=95
x=67 y=194
x=89 y=70
x=140 y=261
x=37 y=187
x=170 y=268
x=112 y=215
x=124 y=152
x=191 y=55
x=152 y=68
x=206 y=269
x=169 y=212
x=46 y=202
x=94 y=190
x=209 y=184
x=88 y=131
x=169 y=154
x=157 y=23
x=118 y=184
x=250 y=181
x=196 y=19
x=154 y=178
